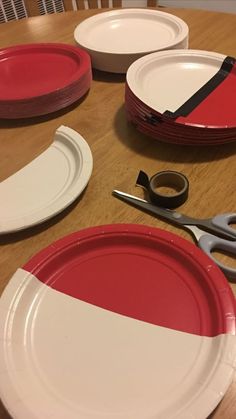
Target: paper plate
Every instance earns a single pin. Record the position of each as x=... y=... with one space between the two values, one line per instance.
x=116 y=38
x=38 y=79
x=189 y=87
x=48 y=184
x=146 y=122
x=188 y=130
x=32 y=70
x=164 y=136
x=116 y=321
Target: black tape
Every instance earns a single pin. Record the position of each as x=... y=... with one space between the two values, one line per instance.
x=204 y=91
x=167 y=178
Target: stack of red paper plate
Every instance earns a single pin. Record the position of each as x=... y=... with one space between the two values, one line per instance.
x=183 y=97
x=37 y=79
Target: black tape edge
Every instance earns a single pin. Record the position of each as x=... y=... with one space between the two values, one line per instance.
x=143 y=180
x=170 y=202
x=165 y=201
x=204 y=91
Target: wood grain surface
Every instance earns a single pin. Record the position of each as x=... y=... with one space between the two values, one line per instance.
x=119 y=151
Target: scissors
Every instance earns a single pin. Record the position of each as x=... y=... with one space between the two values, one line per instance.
x=223 y=237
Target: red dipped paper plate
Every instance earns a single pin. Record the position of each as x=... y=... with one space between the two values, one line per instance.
x=118 y=321
x=36 y=79
x=193 y=88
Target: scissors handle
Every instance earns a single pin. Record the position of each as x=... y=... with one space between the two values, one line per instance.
x=208 y=243
x=222 y=221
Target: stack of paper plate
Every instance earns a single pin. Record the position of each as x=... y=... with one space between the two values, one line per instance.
x=38 y=79
x=117 y=38
x=183 y=97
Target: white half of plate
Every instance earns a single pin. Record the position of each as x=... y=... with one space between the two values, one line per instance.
x=61 y=357
x=167 y=79
x=128 y=34
x=48 y=184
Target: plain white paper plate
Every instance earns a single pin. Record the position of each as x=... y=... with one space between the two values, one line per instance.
x=48 y=184
x=117 y=38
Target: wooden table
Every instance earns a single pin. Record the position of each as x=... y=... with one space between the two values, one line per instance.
x=119 y=151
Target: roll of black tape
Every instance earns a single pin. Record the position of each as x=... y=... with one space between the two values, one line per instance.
x=169 y=179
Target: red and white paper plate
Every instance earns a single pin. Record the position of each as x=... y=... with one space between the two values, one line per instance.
x=36 y=79
x=117 y=321
x=184 y=96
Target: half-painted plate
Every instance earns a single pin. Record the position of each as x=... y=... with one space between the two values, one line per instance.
x=116 y=321
x=193 y=88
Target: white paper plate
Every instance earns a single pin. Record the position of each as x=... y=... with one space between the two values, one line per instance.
x=116 y=38
x=48 y=184
x=167 y=79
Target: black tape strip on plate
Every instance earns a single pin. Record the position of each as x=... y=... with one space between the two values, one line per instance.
x=166 y=178
x=204 y=91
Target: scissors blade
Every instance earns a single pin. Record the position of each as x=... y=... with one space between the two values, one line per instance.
x=165 y=213
x=172 y=216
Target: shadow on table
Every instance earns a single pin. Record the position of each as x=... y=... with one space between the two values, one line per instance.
x=149 y=147
x=39 y=228
x=3 y=412
x=104 y=76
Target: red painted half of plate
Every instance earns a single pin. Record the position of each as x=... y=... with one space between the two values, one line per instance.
x=217 y=109
x=144 y=273
x=33 y=70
